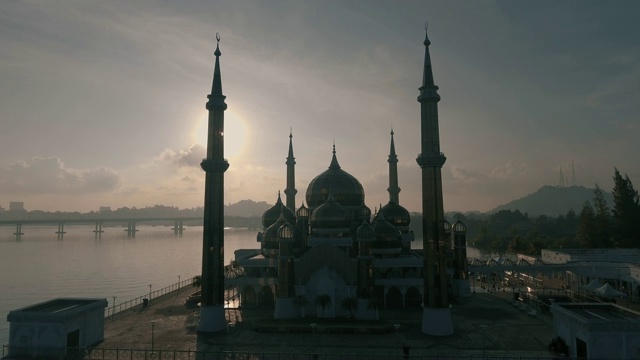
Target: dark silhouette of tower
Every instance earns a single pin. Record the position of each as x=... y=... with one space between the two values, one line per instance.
x=393 y=188
x=212 y=317
x=291 y=191
x=436 y=318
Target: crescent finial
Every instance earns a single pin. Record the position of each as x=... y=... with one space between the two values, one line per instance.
x=218 y=36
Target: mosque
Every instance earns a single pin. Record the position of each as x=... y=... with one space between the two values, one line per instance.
x=333 y=257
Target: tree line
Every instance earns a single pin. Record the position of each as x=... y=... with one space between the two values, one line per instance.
x=596 y=226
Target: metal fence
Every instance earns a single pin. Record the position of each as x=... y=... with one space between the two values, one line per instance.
x=147 y=354
x=116 y=308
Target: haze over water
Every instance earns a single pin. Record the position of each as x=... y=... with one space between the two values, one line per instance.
x=39 y=267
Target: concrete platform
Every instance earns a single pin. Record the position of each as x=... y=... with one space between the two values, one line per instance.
x=509 y=331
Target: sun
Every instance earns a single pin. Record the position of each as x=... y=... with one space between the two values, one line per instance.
x=235 y=133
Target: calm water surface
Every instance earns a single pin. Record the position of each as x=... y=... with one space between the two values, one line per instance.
x=40 y=267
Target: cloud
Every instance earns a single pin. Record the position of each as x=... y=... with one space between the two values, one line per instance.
x=191 y=157
x=50 y=176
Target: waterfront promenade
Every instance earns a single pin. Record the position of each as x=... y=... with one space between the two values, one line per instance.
x=485 y=325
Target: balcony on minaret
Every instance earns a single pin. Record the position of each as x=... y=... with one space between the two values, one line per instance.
x=431 y=160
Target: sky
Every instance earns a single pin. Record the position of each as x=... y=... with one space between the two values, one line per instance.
x=102 y=103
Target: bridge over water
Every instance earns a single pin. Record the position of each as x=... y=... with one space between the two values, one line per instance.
x=130 y=223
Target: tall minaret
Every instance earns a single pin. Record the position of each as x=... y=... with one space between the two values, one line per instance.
x=436 y=318
x=291 y=191
x=393 y=188
x=212 y=311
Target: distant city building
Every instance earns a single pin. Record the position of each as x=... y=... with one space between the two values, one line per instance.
x=105 y=209
x=16 y=206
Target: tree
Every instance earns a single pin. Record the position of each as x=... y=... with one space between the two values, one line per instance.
x=626 y=211
x=586 y=233
x=302 y=302
x=349 y=304
x=602 y=219
x=323 y=301
x=197 y=281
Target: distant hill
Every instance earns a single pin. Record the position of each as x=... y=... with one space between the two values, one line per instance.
x=553 y=201
x=247 y=208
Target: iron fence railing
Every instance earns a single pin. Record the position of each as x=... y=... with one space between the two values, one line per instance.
x=113 y=309
x=148 y=354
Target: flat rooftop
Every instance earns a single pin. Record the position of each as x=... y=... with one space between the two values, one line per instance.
x=60 y=307
x=598 y=311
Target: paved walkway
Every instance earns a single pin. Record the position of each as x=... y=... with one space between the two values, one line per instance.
x=509 y=331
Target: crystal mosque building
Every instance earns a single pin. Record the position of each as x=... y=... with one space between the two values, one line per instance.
x=333 y=257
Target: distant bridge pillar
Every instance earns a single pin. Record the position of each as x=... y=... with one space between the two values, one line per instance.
x=131 y=228
x=98 y=230
x=178 y=227
x=18 y=232
x=60 y=231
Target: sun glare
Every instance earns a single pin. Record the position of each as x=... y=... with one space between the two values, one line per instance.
x=235 y=134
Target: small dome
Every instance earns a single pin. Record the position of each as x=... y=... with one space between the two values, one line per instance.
x=302 y=212
x=330 y=215
x=271 y=216
x=396 y=214
x=459 y=227
x=447 y=227
x=271 y=238
x=345 y=188
x=365 y=231
x=365 y=212
x=286 y=231
x=386 y=235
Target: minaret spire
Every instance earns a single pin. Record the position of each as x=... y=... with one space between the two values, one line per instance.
x=212 y=317
x=291 y=191
x=334 y=160
x=436 y=318
x=393 y=189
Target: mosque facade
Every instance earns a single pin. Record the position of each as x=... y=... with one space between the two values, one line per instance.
x=334 y=257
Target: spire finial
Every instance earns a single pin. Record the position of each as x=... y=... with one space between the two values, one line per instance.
x=218 y=36
x=290 y=132
x=334 y=160
x=426 y=34
x=334 y=146
x=217 y=52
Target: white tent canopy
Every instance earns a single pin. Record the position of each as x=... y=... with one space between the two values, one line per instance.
x=593 y=285
x=607 y=291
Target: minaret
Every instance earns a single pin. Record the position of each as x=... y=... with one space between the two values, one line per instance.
x=291 y=191
x=393 y=188
x=212 y=317
x=436 y=317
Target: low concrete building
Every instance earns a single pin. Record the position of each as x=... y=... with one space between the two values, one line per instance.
x=52 y=327
x=598 y=330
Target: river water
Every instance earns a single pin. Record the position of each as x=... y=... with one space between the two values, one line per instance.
x=39 y=266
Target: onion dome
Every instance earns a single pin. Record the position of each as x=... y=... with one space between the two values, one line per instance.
x=365 y=231
x=286 y=231
x=271 y=237
x=459 y=227
x=330 y=215
x=302 y=212
x=388 y=239
x=365 y=212
x=396 y=214
x=271 y=216
x=346 y=189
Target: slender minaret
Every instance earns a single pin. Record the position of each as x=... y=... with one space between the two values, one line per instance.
x=291 y=191
x=436 y=318
x=393 y=188
x=212 y=311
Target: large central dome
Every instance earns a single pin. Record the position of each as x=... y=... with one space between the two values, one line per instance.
x=346 y=189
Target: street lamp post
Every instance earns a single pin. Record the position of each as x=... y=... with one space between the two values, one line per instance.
x=178 y=281
x=150 y=285
x=153 y=323
x=484 y=351
x=113 y=312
